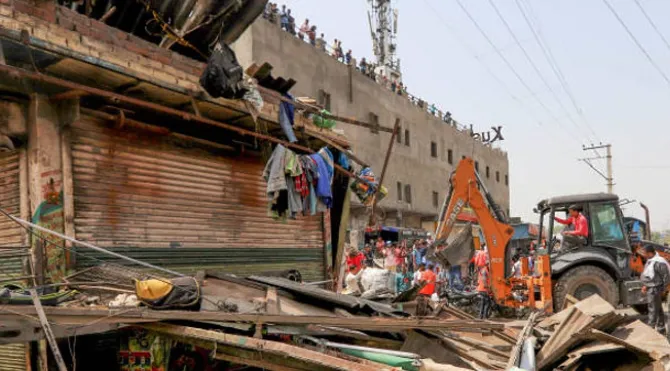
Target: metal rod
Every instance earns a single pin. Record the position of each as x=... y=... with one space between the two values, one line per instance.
x=92 y=247
x=396 y=129
x=159 y=108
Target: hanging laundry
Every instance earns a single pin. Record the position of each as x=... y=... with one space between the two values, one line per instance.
x=286 y=118
x=277 y=188
x=293 y=169
x=343 y=161
x=324 y=165
x=311 y=173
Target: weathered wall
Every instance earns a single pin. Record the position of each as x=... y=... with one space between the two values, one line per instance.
x=355 y=95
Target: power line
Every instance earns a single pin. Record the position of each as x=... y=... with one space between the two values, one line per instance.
x=511 y=67
x=635 y=40
x=551 y=60
x=532 y=63
x=652 y=23
x=478 y=59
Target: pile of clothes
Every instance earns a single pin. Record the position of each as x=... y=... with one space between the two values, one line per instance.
x=366 y=185
x=299 y=184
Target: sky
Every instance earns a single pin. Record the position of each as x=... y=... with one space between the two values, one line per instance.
x=600 y=88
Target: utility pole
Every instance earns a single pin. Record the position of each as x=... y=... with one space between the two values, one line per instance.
x=609 y=177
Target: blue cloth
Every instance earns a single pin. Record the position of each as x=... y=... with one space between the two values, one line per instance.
x=286 y=119
x=323 y=189
x=343 y=161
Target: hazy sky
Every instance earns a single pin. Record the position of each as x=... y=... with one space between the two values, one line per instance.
x=623 y=99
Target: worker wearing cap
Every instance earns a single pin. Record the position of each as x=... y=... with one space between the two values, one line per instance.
x=580 y=232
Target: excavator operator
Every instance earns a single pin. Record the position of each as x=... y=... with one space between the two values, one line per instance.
x=580 y=228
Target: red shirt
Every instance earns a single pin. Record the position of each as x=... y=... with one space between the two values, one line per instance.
x=580 y=224
x=356 y=260
x=429 y=277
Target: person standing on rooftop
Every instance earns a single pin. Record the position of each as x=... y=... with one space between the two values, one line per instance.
x=304 y=29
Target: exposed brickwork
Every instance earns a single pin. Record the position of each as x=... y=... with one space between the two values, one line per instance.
x=88 y=36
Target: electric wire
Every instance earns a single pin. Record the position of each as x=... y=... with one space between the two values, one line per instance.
x=637 y=42
x=78 y=253
x=511 y=68
x=532 y=63
x=652 y=23
x=474 y=55
x=478 y=58
x=556 y=68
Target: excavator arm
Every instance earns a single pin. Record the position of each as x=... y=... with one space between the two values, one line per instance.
x=466 y=189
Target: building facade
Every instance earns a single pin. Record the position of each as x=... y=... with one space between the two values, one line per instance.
x=426 y=150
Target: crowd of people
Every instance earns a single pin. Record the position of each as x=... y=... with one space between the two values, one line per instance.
x=409 y=262
x=308 y=32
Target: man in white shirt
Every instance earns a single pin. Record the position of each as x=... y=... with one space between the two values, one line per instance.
x=417 y=275
x=353 y=280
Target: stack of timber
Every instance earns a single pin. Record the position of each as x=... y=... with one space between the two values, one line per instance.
x=273 y=323
x=593 y=335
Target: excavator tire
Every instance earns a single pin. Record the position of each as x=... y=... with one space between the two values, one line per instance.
x=582 y=282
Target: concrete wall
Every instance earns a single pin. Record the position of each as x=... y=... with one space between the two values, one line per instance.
x=355 y=95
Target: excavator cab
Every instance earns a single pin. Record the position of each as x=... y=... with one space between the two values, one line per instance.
x=600 y=266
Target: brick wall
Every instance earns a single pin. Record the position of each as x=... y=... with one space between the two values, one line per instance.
x=66 y=28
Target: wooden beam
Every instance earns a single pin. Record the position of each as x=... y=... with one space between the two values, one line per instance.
x=294 y=353
x=77 y=316
x=108 y=14
x=47 y=331
x=70 y=94
x=265 y=365
x=271 y=302
x=373 y=219
x=339 y=148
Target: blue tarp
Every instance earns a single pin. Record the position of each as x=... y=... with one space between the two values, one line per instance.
x=520 y=232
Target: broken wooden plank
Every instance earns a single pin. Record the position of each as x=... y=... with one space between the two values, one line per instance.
x=51 y=339
x=271 y=302
x=79 y=316
x=515 y=355
x=298 y=357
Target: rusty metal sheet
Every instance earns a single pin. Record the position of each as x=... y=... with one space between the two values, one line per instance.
x=11 y=234
x=13 y=357
x=146 y=189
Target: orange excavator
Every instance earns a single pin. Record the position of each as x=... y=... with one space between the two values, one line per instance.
x=609 y=264
x=467 y=189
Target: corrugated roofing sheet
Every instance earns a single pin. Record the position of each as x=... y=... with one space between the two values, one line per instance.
x=345 y=301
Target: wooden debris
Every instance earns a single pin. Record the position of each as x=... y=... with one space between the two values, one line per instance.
x=291 y=357
x=525 y=333
x=51 y=339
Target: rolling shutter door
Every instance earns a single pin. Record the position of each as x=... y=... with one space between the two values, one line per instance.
x=12 y=255
x=167 y=202
x=11 y=234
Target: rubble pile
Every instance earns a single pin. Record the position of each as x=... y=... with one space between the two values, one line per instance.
x=593 y=335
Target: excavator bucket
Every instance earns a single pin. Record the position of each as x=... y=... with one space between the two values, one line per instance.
x=460 y=248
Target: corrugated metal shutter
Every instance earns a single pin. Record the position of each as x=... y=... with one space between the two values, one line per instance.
x=10 y=199
x=184 y=206
x=13 y=357
x=12 y=257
